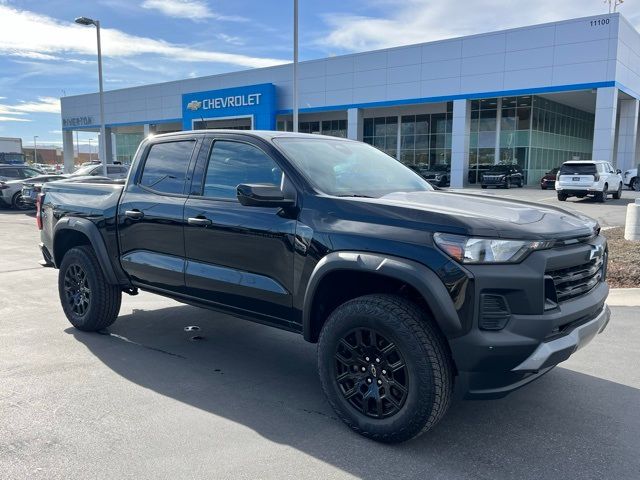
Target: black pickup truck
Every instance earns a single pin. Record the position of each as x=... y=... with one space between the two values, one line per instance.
x=406 y=290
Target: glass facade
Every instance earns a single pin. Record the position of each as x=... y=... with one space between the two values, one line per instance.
x=334 y=128
x=425 y=139
x=382 y=133
x=536 y=133
x=558 y=133
x=126 y=146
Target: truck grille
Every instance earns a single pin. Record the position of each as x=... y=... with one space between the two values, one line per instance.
x=572 y=282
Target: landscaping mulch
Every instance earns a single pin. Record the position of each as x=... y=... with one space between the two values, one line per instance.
x=624 y=260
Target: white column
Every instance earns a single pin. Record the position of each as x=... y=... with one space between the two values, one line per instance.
x=147 y=130
x=604 y=128
x=460 y=133
x=108 y=152
x=114 y=147
x=355 y=123
x=627 y=134
x=67 y=148
x=496 y=151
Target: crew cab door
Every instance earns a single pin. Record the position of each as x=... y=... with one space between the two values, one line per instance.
x=239 y=257
x=151 y=213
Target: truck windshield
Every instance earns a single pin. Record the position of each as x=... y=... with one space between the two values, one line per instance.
x=342 y=168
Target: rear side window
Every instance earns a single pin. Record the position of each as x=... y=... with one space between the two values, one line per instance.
x=10 y=173
x=233 y=163
x=578 y=169
x=165 y=169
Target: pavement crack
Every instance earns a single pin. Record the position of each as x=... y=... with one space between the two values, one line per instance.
x=155 y=349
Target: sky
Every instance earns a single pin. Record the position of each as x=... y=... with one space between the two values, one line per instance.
x=44 y=55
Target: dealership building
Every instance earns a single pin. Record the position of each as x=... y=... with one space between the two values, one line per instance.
x=536 y=96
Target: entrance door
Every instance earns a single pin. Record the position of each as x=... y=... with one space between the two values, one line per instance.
x=243 y=123
x=239 y=256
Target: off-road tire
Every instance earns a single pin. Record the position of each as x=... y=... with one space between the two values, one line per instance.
x=562 y=197
x=430 y=370
x=104 y=298
x=634 y=184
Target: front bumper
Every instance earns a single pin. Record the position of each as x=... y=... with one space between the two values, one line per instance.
x=539 y=332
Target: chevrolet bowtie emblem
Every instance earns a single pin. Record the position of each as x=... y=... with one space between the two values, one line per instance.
x=596 y=251
x=194 y=105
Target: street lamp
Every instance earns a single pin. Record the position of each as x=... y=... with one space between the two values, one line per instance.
x=103 y=135
x=35 y=149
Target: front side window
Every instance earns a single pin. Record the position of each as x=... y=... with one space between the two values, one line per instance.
x=234 y=163
x=165 y=169
x=343 y=168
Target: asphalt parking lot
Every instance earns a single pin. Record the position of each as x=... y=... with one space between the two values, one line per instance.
x=147 y=401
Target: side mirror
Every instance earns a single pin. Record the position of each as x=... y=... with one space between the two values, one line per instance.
x=262 y=195
x=619 y=172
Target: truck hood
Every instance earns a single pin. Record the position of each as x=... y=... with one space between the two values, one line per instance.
x=483 y=215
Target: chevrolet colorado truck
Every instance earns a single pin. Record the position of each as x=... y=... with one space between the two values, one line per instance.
x=407 y=291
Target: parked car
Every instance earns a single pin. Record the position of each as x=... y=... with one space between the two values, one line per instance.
x=630 y=179
x=476 y=172
x=406 y=290
x=439 y=175
x=504 y=176
x=113 y=170
x=11 y=178
x=23 y=192
x=549 y=179
x=581 y=178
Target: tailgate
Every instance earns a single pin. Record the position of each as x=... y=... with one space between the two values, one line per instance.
x=576 y=180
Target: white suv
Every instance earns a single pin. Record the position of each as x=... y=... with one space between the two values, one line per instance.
x=631 y=179
x=580 y=178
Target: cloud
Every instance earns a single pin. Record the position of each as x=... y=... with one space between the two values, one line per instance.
x=416 y=21
x=13 y=119
x=195 y=10
x=49 y=37
x=232 y=39
x=18 y=111
x=42 y=105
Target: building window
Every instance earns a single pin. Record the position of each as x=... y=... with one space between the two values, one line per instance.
x=334 y=128
x=426 y=139
x=127 y=145
x=382 y=133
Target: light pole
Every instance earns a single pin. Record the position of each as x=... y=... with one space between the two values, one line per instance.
x=295 y=65
x=35 y=149
x=103 y=135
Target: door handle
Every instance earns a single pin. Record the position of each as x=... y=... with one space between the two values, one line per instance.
x=199 y=221
x=135 y=214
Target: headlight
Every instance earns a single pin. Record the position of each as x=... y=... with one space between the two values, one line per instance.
x=486 y=250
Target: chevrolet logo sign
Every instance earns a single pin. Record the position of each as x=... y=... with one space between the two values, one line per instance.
x=194 y=105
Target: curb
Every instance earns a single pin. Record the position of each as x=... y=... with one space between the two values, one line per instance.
x=624 y=297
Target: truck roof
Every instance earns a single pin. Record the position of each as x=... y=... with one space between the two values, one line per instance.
x=264 y=134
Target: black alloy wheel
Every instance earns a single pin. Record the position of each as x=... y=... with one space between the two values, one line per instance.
x=18 y=202
x=76 y=288
x=371 y=373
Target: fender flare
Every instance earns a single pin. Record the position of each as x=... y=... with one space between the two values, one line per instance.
x=89 y=229
x=420 y=277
